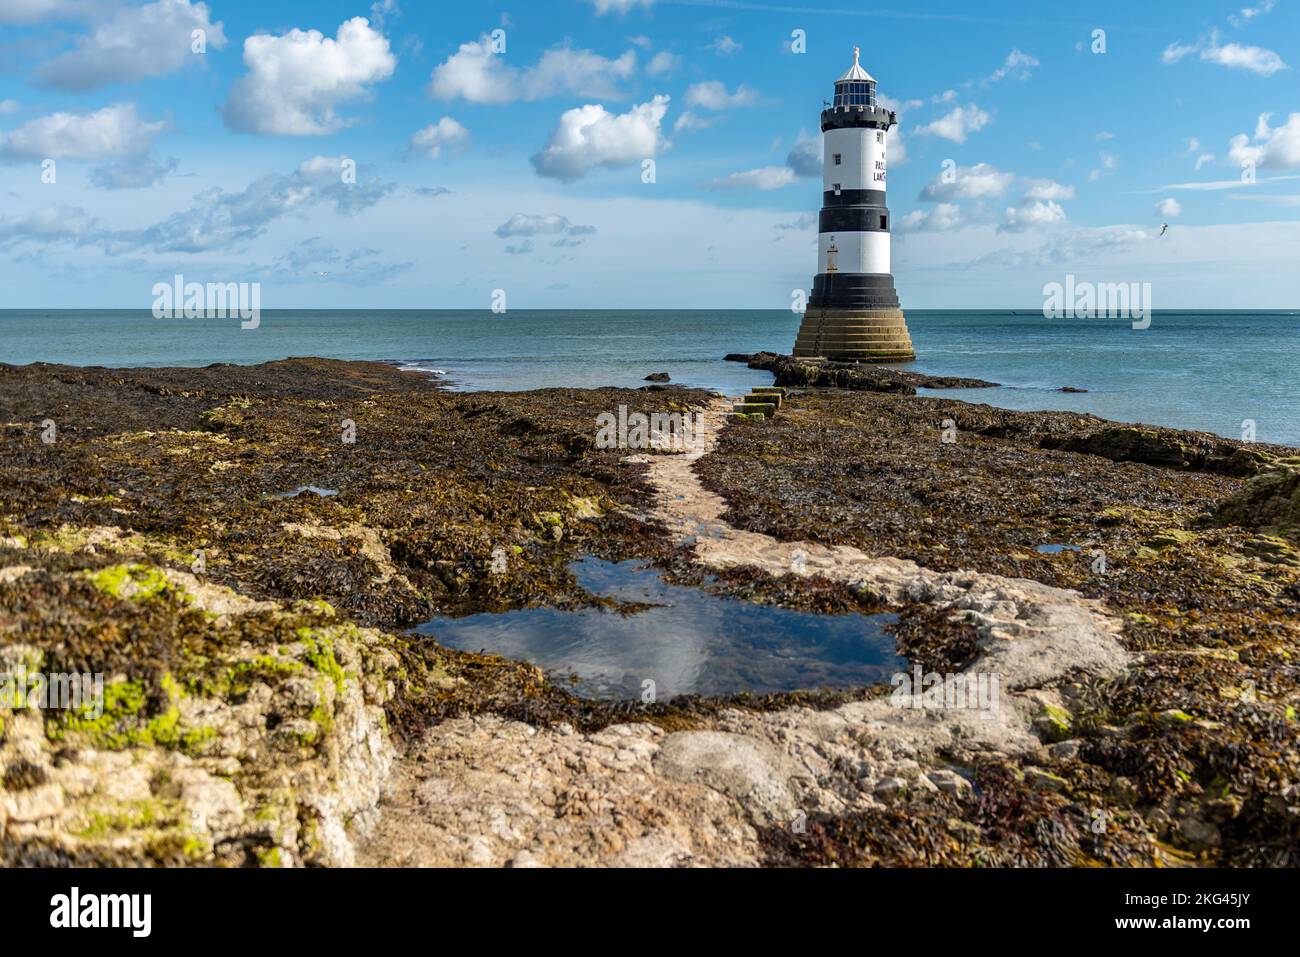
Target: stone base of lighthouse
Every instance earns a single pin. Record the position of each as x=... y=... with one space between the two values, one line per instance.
x=846 y=335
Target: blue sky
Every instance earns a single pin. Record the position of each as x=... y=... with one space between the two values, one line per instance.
x=522 y=168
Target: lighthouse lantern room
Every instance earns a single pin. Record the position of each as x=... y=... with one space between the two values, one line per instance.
x=853 y=312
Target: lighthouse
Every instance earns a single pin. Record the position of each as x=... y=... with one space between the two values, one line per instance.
x=853 y=312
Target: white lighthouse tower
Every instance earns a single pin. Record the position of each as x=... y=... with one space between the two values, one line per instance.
x=854 y=312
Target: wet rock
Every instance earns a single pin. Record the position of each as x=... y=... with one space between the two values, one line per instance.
x=790 y=371
x=746 y=769
x=950 y=782
x=888 y=789
x=657 y=377
x=1269 y=502
x=1168 y=448
x=1053 y=724
x=1065 y=750
x=1045 y=780
x=1199 y=833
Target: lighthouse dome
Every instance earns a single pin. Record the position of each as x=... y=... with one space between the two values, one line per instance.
x=856 y=87
x=856 y=72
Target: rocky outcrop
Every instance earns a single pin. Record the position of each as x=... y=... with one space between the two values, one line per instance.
x=1269 y=502
x=1168 y=448
x=822 y=373
x=267 y=743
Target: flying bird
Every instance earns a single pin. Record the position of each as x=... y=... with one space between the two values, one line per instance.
x=326 y=273
x=1164 y=228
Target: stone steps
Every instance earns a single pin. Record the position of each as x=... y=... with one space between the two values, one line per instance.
x=762 y=401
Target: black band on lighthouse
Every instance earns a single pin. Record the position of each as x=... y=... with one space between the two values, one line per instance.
x=853 y=219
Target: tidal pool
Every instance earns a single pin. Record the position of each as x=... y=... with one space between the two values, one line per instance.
x=304 y=489
x=1056 y=548
x=688 y=642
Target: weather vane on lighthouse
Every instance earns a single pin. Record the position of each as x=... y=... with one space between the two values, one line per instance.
x=853 y=312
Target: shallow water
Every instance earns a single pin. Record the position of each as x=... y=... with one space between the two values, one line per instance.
x=1056 y=549
x=305 y=489
x=1221 y=371
x=689 y=642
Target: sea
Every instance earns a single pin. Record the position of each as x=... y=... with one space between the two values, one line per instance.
x=1234 y=373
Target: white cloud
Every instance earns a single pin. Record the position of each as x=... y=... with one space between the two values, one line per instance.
x=525 y=224
x=764 y=178
x=1273 y=147
x=1176 y=51
x=296 y=81
x=980 y=181
x=806 y=157
x=446 y=135
x=1203 y=159
x=688 y=122
x=1249 y=13
x=1235 y=55
x=476 y=74
x=1279 y=199
x=977 y=187
x=1047 y=189
x=1109 y=163
x=8 y=106
x=63 y=224
x=1169 y=208
x=1221 y=184
x=220 y=220
x=1018 y=65
x=590 y=136
x=942 y=217
x=1032 y=215
x=618 y=6
x=30 y=11
x=713 y=95
x=133 y=44
x=142 y=173
x=216 y=220
x=113 y=131
x=663 y=63
x=804 y=220
x=895 y=148
x=958 y=124
x=725 y=46
x=381 y=10
x=1103 y=136
x=900 y=106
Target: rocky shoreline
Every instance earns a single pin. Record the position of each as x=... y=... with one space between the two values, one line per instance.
x=267 y=705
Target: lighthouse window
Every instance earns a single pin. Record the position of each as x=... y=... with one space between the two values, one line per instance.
x=880 y=136
x=836 y=187
x=854 y=94
x=884 y=222
x=838 y=158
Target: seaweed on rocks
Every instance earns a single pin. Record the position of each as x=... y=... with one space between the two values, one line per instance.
x=1193 y=755
x=263 y=675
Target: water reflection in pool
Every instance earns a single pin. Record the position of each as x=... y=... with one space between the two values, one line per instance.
x=690 y=641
